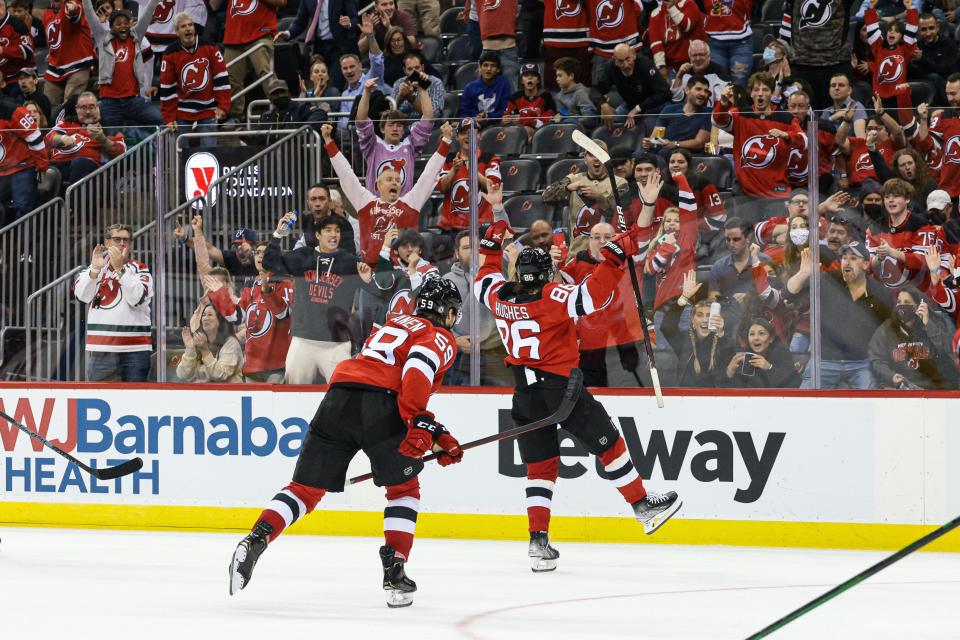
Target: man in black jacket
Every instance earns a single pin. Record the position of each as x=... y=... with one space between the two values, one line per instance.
x=284 y=113
x=643 y=89
x=325 y=281
x=935 y=58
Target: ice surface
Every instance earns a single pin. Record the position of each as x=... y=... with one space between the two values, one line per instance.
x=84 y=584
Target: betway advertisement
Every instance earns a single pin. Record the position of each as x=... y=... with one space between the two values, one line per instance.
x=792 y=459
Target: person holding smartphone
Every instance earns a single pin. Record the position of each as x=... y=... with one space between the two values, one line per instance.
x=764 y=362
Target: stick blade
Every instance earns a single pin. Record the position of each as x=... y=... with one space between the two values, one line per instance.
x=591 y=147
x=122 y=469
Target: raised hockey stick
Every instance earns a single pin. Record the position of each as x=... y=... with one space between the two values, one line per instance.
x=570 y=396
x=597 y=151
x=107 y=473
x=857 y=579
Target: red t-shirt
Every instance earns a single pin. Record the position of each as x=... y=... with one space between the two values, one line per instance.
x=124 y=84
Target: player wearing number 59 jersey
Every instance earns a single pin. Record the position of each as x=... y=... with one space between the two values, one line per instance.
x=535 y=318
x=377 y=403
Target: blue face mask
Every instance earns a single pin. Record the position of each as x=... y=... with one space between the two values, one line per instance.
x=769 y=55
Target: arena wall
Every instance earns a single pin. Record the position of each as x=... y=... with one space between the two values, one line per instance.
x=772 y=469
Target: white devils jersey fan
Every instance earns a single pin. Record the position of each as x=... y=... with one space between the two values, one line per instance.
x=613 y=22
x=69 y=43
x=162 y=33
x=566 y=24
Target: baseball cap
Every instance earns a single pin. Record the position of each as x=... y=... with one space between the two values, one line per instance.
x=28 y=72
x=858 y=248
x=938 y=199
x=767 y=39
x=245 y=235
x=529 y=68
x=276 y=85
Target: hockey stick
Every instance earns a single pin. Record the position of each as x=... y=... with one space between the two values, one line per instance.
x=107 y=473
x=857 y=579
x=570 y=397
x=597 y=151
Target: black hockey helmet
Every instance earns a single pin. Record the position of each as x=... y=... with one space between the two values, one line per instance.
x=438 y=296
x=534 y=266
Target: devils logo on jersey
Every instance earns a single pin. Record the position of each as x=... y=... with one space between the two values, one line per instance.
x=195 y=75
x=3 y=153
x=121 y=53
x=609 y=14
x=891 y=69
x=587 y=217
x=889 y=272
x=951 y=150
x=491 y=5
x=759 y=152
x=567 y=8
x=259 y=320
x=460 y=196
x=815 y=13
x=398 y=165
x=164 y=11
x=796 y=165
x=863 y=164
x=244 y=7
x=108 y=295
x=54 y=35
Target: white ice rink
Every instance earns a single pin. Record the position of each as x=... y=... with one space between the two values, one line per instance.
x=105 y=585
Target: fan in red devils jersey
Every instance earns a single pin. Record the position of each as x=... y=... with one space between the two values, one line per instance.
x=16 y=48
x=674 y=251
x=565 y=25
x=70 y=47
x=377 y=403
x=762 y=141
x=454 y=184
x=672 y=26
x=78 y=144
x=890 y=61
x=536 y=319
x=530 y=106
x=942 y=143
x=194 y=86
x=23 y=157
x=377 y=213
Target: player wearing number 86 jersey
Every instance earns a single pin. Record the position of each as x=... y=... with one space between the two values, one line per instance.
x=535 y=318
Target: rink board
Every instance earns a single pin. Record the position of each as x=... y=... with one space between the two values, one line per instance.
x=779 y=469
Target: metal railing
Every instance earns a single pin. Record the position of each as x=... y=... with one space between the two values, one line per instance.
x=258 y=105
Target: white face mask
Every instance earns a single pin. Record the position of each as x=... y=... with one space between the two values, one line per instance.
x=799 y=237
x=769 y=55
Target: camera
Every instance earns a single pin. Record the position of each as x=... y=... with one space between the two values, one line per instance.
x=422 y=82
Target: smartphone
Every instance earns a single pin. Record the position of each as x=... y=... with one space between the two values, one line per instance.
x=367 y=8
x=746 y=368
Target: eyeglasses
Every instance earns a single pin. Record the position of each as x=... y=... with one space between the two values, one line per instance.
x=120 y=239
x=86 y=107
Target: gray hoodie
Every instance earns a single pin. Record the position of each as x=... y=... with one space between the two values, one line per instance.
x=489 y=336
x=102 y=37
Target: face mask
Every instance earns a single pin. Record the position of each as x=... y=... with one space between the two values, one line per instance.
x=906 y=312
x=282 y=103
x=769 y=55
x=936 y=216
x=873 y=210
x=799 y=237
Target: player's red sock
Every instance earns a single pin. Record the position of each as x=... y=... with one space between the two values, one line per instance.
x=292 y=503
x=620 y=471
x=400 y=516
x=541 y=476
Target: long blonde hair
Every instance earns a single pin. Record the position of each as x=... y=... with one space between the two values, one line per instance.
x=692 y=332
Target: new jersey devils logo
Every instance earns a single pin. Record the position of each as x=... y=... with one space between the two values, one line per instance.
x=54 y=35
x=108 y=295
x=3 y=152
x=567 y=8
x=394 y=165
x=164 y=11
x=890 y=70
x=863 y=164
x=888 y=271
x=244 y=7
x=815 y=13
x=587 y=217
x=609 y=14
x=195 y=75
x=491 y=5
x=951 y=150
x=797 y=164
x=759 y=152
x=80 y=141
x=259 y=320
x=121 y=54
x=460 y=196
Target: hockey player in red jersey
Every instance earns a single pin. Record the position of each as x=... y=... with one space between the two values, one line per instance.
x=536 y=320
x=377 y=403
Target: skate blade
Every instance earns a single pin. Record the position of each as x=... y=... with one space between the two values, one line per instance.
x=236 y=580
x=541 y=565
x=658 y=520
x=397 y=599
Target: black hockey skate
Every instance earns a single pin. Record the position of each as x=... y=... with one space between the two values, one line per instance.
x=655 y=509
x=543 y=557
x=399 y=587
x=246 y=555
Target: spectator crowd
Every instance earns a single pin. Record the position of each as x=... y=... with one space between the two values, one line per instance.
x=739 y=122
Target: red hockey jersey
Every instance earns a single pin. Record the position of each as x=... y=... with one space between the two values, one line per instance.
x=407 y=355
x=760 y=159
x=69 y=43
x=670 y=262
x=86 y=146
x=728 y=19
x=912 y=236
x=193 y=83
x=16 y=48
x=540 y=332
x=798 y=167
x=375 y=215
x=615 y=324
x=671 y=30
x=942 y=147
x=566 y=24
x=889 y=66
x=455 y=212
x=534 y=112
x=497 y=18
x=21 y=143
x=613 y=22
x=250 y=20
x=859 y=165
x=266 y=317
